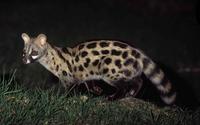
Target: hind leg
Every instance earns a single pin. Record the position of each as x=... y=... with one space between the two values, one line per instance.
x=122 y=88
x=119 y=89
x=135 y=87
x=126 y=88
x=119 y=93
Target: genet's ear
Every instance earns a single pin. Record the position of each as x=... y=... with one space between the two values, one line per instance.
x=42 y=39
x=25 y=37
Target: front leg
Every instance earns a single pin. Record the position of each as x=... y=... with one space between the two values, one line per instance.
x=93 y=88
x=65 y=84
x=121 y=87
x=126 y=88
x=69 y=86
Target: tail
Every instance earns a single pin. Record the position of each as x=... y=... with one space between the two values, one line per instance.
x=158 y=78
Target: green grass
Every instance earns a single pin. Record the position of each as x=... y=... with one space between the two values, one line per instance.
x=19 y=105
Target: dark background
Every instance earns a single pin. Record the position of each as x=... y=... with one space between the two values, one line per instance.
x=166 y=30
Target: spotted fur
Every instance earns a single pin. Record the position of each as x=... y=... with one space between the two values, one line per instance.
x=111 y=61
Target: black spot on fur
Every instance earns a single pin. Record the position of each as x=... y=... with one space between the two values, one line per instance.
x=86 y=64
x=113 y=71
x=127 y=73
x=69 y=66
x=64 y=73
x=105 y=70
x=95 y=62
x=70 y=75
x=91 y=72
x=81 y=46
x=94 y=52
x=125 y=55
x=91 y=45
x=121 y=45
x=107 y=61
x=77 y=58
x=135 y=53
x=104 y=44
x=87 y=60
x=65 y=50
x=145 y=63
x=115 y=52
x=84 y=53
x=104 y=51
x=57 y=67
x=129 y=61
x=103 y=57
x=73 y=53
x=118 y=63
x=59 y=54
x=115 y=79
x=80 y=68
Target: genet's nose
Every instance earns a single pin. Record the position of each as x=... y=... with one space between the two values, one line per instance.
x=25 y=60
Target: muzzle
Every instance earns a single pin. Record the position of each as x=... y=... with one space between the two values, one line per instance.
x=27 y=60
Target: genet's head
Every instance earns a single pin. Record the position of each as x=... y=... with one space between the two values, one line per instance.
x=34 y=48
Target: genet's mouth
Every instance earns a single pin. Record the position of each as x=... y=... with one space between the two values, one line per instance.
x=28 y=60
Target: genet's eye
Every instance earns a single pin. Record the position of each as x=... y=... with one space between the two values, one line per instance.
x=34 y=53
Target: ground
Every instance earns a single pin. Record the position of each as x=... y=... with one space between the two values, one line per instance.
x=50 y=107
